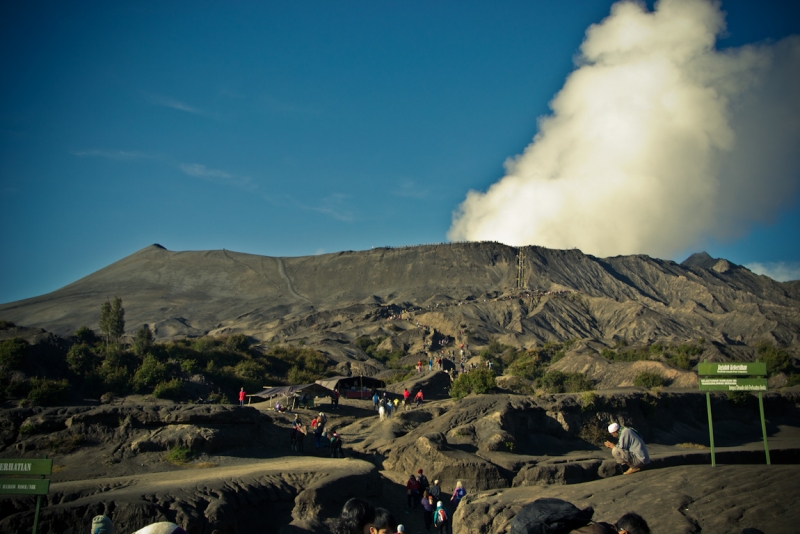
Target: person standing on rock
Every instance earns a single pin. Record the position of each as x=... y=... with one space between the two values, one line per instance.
x=242 y=395
x=630 y=449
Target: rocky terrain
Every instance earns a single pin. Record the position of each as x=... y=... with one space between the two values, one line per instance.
x=119 y=457
x=507 y=449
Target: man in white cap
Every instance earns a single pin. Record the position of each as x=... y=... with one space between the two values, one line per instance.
x=400 y=529
x=629 y=450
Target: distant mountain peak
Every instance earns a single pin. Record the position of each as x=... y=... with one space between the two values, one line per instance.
x=700 y=259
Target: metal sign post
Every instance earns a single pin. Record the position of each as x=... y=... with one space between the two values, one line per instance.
x=11 y=484
x=733 y=376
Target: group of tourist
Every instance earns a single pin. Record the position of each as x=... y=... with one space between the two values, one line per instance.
x=421 y=494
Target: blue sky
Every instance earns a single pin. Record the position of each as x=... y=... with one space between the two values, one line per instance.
x=283 y=129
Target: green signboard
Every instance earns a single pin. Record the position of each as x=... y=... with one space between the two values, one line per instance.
x=24 y=486
x=732 y=384
x=732 y=369
x=26 y=467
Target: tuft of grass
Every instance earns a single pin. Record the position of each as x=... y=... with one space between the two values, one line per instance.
x=587 y=400
x=691 y=446
x=178 y=455
x=204 y=465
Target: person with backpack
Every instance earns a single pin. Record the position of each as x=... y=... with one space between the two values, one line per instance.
x=336 y=445
x=423 y=481
x=458 y=494
x=440 y=519
x=412 y=493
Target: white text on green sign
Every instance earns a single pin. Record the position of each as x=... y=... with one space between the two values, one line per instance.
x=732 y=368
x=20 y=486
x=733 y=384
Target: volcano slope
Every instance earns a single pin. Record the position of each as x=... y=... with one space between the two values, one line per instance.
x=329 y=300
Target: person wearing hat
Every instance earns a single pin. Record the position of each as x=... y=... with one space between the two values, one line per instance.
x=400 y=529
x=102 y=525
x=630 y=449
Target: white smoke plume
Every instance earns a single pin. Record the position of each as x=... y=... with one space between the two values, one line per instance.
x=656 y=141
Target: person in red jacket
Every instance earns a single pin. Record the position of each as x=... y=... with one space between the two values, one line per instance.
x=242 y=395
x=412 y=492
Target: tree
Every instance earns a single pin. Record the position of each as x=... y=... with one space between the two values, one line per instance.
x=112 y=319
x=143 y=341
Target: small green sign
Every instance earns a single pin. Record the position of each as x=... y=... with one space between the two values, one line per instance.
x=732 y=369
x=26 y=467
x=24 y=486
x=732 y=384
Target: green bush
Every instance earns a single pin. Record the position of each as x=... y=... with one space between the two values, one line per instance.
x=477 y=381
x=114 y=378
x=793 y=380
x=144 y=341
x=189 y=366
x=738 y=397
x=13 y=353
x=218 y=397
x=86 y=336
x=150 y=373
x=81 y=359
x=179 y=455
x=681 y=361
x=558 y=382
x=238 y=343
x=172 y=389
x=45 y=391
x=777 y=359
x=649 y=380
x=250 y=370
x=527 y=365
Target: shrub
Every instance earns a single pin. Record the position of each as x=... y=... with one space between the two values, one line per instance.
x=218 y=397
x=172 y=389
x=594 y=432
x=13 y=353
x=527 y=365
x=250 y=370
x=477 y=381
x=777 y=360
x=587 y=400
x=45 y=391
x=143 y=341
x=681 y=361
x=793 y=380
x=81 y=358
x=114 y=378
x=649 y=380
x=189 y=366
x=558 y=382
x=738 y=397
x=238 y=342
x=86 y=335
x=150 y=373
x=178 y=455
